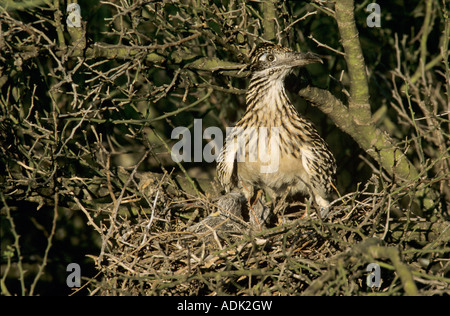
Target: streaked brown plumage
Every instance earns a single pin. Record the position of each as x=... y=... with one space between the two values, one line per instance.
x=305 y=163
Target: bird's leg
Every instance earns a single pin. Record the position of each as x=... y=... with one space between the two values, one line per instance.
x=258 y=196
x=256 y=210
x=279 y=205
x=259 y=212
x=248 y=191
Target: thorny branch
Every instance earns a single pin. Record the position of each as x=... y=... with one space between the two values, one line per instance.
x=86 y=113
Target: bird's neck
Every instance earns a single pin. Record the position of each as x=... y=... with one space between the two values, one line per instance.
x=267 y=100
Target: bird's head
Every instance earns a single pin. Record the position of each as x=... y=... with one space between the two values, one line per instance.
x=270 y=60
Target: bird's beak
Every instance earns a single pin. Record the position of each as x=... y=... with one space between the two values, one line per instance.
x=302 y=59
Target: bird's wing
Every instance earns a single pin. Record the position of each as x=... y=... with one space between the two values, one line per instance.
x=226 y=163
x=317 y=159
x=320 y=164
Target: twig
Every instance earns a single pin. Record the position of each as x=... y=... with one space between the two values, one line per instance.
x=115 y=210
x=16 y=245
x=319 y=44
x=49 y=245
x=147 y=227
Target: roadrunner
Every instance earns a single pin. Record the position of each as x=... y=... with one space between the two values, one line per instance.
x=300 y=160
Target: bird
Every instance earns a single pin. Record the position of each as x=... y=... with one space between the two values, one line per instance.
x=294 y=158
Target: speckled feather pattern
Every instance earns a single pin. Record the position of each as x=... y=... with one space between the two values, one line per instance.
x=306 y=164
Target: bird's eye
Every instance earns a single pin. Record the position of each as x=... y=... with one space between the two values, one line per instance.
x=267 y=57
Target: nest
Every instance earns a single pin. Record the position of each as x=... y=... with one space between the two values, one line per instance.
x=200 y=246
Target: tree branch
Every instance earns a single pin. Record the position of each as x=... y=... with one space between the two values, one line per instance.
x=269 y=14
x=357 y=121
x=359 y=101
x=376 y=143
